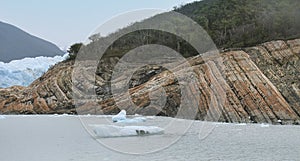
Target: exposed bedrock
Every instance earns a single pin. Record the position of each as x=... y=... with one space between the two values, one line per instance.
x=259 y=84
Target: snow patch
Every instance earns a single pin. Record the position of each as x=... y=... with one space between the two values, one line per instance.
x=2 y=117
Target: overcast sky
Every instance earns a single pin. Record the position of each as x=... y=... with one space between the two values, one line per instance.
x=65 y=22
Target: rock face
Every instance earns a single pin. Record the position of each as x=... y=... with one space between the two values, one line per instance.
x=51 y=93
x=257 y=84
x=279 y=61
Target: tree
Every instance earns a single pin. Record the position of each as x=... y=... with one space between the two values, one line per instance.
x=95 y=37
x=74 y=49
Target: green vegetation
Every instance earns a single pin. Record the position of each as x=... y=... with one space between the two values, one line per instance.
x=240 y=23
x=74 y=49
x=230 y=24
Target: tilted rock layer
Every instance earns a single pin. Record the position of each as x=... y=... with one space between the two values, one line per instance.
x=257 y=84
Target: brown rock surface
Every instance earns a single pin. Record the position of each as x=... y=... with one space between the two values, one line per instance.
x=279 y=62
x=259 y=84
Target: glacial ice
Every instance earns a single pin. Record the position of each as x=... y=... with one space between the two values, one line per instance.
x=25 y=71
x=106 y=131
x=133 y=120
x=121 y=118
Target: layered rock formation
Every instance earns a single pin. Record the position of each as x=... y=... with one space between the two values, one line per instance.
x=51 y=93
x=258 y=84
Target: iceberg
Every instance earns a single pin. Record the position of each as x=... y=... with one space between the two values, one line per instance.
x=107 y=131
x=264 y=125
x=121 y=118
x=133 y=120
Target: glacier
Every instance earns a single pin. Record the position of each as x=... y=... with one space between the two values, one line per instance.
x=24 y=71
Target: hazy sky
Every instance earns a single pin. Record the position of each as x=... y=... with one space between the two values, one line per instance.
x=64 y=22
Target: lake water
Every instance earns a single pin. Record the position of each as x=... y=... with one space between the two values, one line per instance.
x=64 y=138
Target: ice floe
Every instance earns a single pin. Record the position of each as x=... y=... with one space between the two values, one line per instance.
x=106 y=131
x=264 y=125
x=121 y=118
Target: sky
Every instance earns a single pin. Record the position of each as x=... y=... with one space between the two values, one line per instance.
x=65 y=22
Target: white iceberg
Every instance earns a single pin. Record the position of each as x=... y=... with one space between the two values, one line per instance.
x=121 y=118
x=264 y=125
x=241 y=124
x=107 y=131
x=133 y=120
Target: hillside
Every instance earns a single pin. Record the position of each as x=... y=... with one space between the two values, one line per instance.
x=229 y=23
x=17 y=44
x=260 y=88
x=238 y=23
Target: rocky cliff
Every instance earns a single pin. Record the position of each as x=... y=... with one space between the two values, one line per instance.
x=257 y=84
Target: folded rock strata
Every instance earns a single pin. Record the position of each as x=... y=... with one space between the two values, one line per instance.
x=259 y=84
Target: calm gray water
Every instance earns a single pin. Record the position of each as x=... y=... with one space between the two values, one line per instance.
x=63 y=138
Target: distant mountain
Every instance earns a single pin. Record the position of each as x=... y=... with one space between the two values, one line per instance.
x=17 y=44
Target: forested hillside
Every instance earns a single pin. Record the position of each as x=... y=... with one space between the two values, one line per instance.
x=240 y=23
x=230 y=24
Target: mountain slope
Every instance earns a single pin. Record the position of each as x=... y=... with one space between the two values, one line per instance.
x=254 y=92
x=17 y=44
x=229 y=23
x=238 y=23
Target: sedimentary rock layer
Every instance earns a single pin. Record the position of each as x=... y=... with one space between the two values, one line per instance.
x=257 y=84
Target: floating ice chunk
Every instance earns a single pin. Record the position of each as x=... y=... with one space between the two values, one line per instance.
x=106 y=131
x=120 y=116
x=133 y=120
x=264 y=125
x=241 y=124
x=150 y=117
